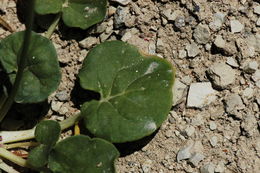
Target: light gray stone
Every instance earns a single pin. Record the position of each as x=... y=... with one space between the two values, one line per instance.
x=257 y=9
x=208 y=168
x=250 y=67
x=189 y=131
x=220 y=168
x=62 y=96
x=182 y=53
x=122 y=2
x=219 y=42
x=170 y=14
x=55 y=106
x=232 y=62
x=192 y=49
x=234 y=103
x=179 y=89
x=200 y=95
x=179 y=22
x=258 y=22
x=222 y=75
x=121 y=16
x=146 y=166
x=213 y=141
x=196 y=158
x=201 y=34
x=236 y=26
x=184 y=153
x=212 y=125
x=248 y=93
x=88 y=42
x=245 y=49
x=254 y=41
x=256 y=76
x=218 y=20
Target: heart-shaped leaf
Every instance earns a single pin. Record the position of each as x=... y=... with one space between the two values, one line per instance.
x=135 y=89
x=75 y=13
x=48 y=132
x=38 y=157
x=42 y=73
x=81 y=154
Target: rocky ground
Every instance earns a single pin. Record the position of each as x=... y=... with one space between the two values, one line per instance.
x=215 y=48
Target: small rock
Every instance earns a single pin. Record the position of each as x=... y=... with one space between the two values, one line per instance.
x=63 y=110
x=192 y=49
x=88 y=42
x=254 y=41
x=212 y=125
x=126 y=36
x=171 y=15
x=146 y=166
x=184 y=153
x=179 y=89
x=179 y=22
x=160 y=45
x=245 y=49
x=256 y=76
x=62 y=96
x=55 y=106
x=189 y=131
x=232 y=62
x=219 y=42
x=182 y=54
x=236 y=26
x=234 y=103
x=218 y=20
x=201 y=34
x=249 y=125
x=220 y=168
x=257 y=9
x=200 y=95
x=250 y=67
x=222 y=75
x=196 y=158
x=248 y=93
x=258 y=22
x=121 y=16
x=213 y=141
x=122 y=2
x=208 y=168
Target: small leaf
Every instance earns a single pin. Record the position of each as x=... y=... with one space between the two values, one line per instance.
x=42 y=73
x=48 y=6
x=84 y=13
x=80 y=154
x=38 y=157
x=135 y=89
x=47 y=132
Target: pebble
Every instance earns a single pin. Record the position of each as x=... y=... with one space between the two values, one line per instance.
x=207 y=168
x=232 y=62
x=222 y=75
x=55 y=106
x=234 y=103
x=257 y=9
x=146 y=166
x=182 y=54
x=249 y=125
x=213 y=141
x=122 y=2
x=62 y=96
x=236 y=26
x=212 y=125
x=220 y=168
x=258 y=22
x=88 y=42
x=121 y=16
x=189 y=131
x=171 y=15
x=254 y=41
x=248 y=93
x=200 y=95
x=179 y=89
x=179 y=22
x=192 y=49
x=256 y=76
x=196 y=158
x=245 y=49
x=218 y=20
x=219 y=42
x=250 y=67
x=201 y=34
x=184 y=153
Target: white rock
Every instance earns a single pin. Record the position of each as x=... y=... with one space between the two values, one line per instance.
x=212 y=125
x=208 y=168
x=182 y=53
x=171 y=15
x=196 y=158
x=257 y=9
x=122 y=2
x=146 y=166
x=219 y=42
x=55 y=106
x=201 y=34
x=222 y=75
x=220 y=167
x=256 y=76
x=192 y=49
x=218 y=20
x=213 y=141
x=201 y=94
x=248 y=92
x=189 y=131
x=254 y=41
x=232 y=62
x=236 y=26
x=184 y=153
x=126 y=36
x=234 y=103
x=250 y=67
x=258 y=22
x=179 y=89
x=88 y=42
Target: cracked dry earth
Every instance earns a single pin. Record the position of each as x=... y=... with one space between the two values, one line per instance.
x=215 y=47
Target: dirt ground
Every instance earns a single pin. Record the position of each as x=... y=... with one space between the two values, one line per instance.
x=215 y=47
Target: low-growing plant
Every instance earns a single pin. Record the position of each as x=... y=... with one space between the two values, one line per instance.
x=135 y=95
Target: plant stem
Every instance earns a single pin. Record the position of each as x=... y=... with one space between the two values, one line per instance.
x=7 y=168
x=21 y=144
x=53 y=26
x=16 y=136
x=12 y=157
x=21 y=61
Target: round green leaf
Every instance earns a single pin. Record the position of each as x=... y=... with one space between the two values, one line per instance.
x=38 y=157
x=80 y=154
x=48 y=132
x=42 y=73
x=48 y=6
x=83 y=13
x=135 y=89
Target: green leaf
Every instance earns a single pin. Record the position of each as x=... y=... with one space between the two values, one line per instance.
x=135 y=89
x=84 y=13
x=48 y=132
x=48 y=6
x=75 y=13
x=80 y=154
x=38 y=157
x=42 y=73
